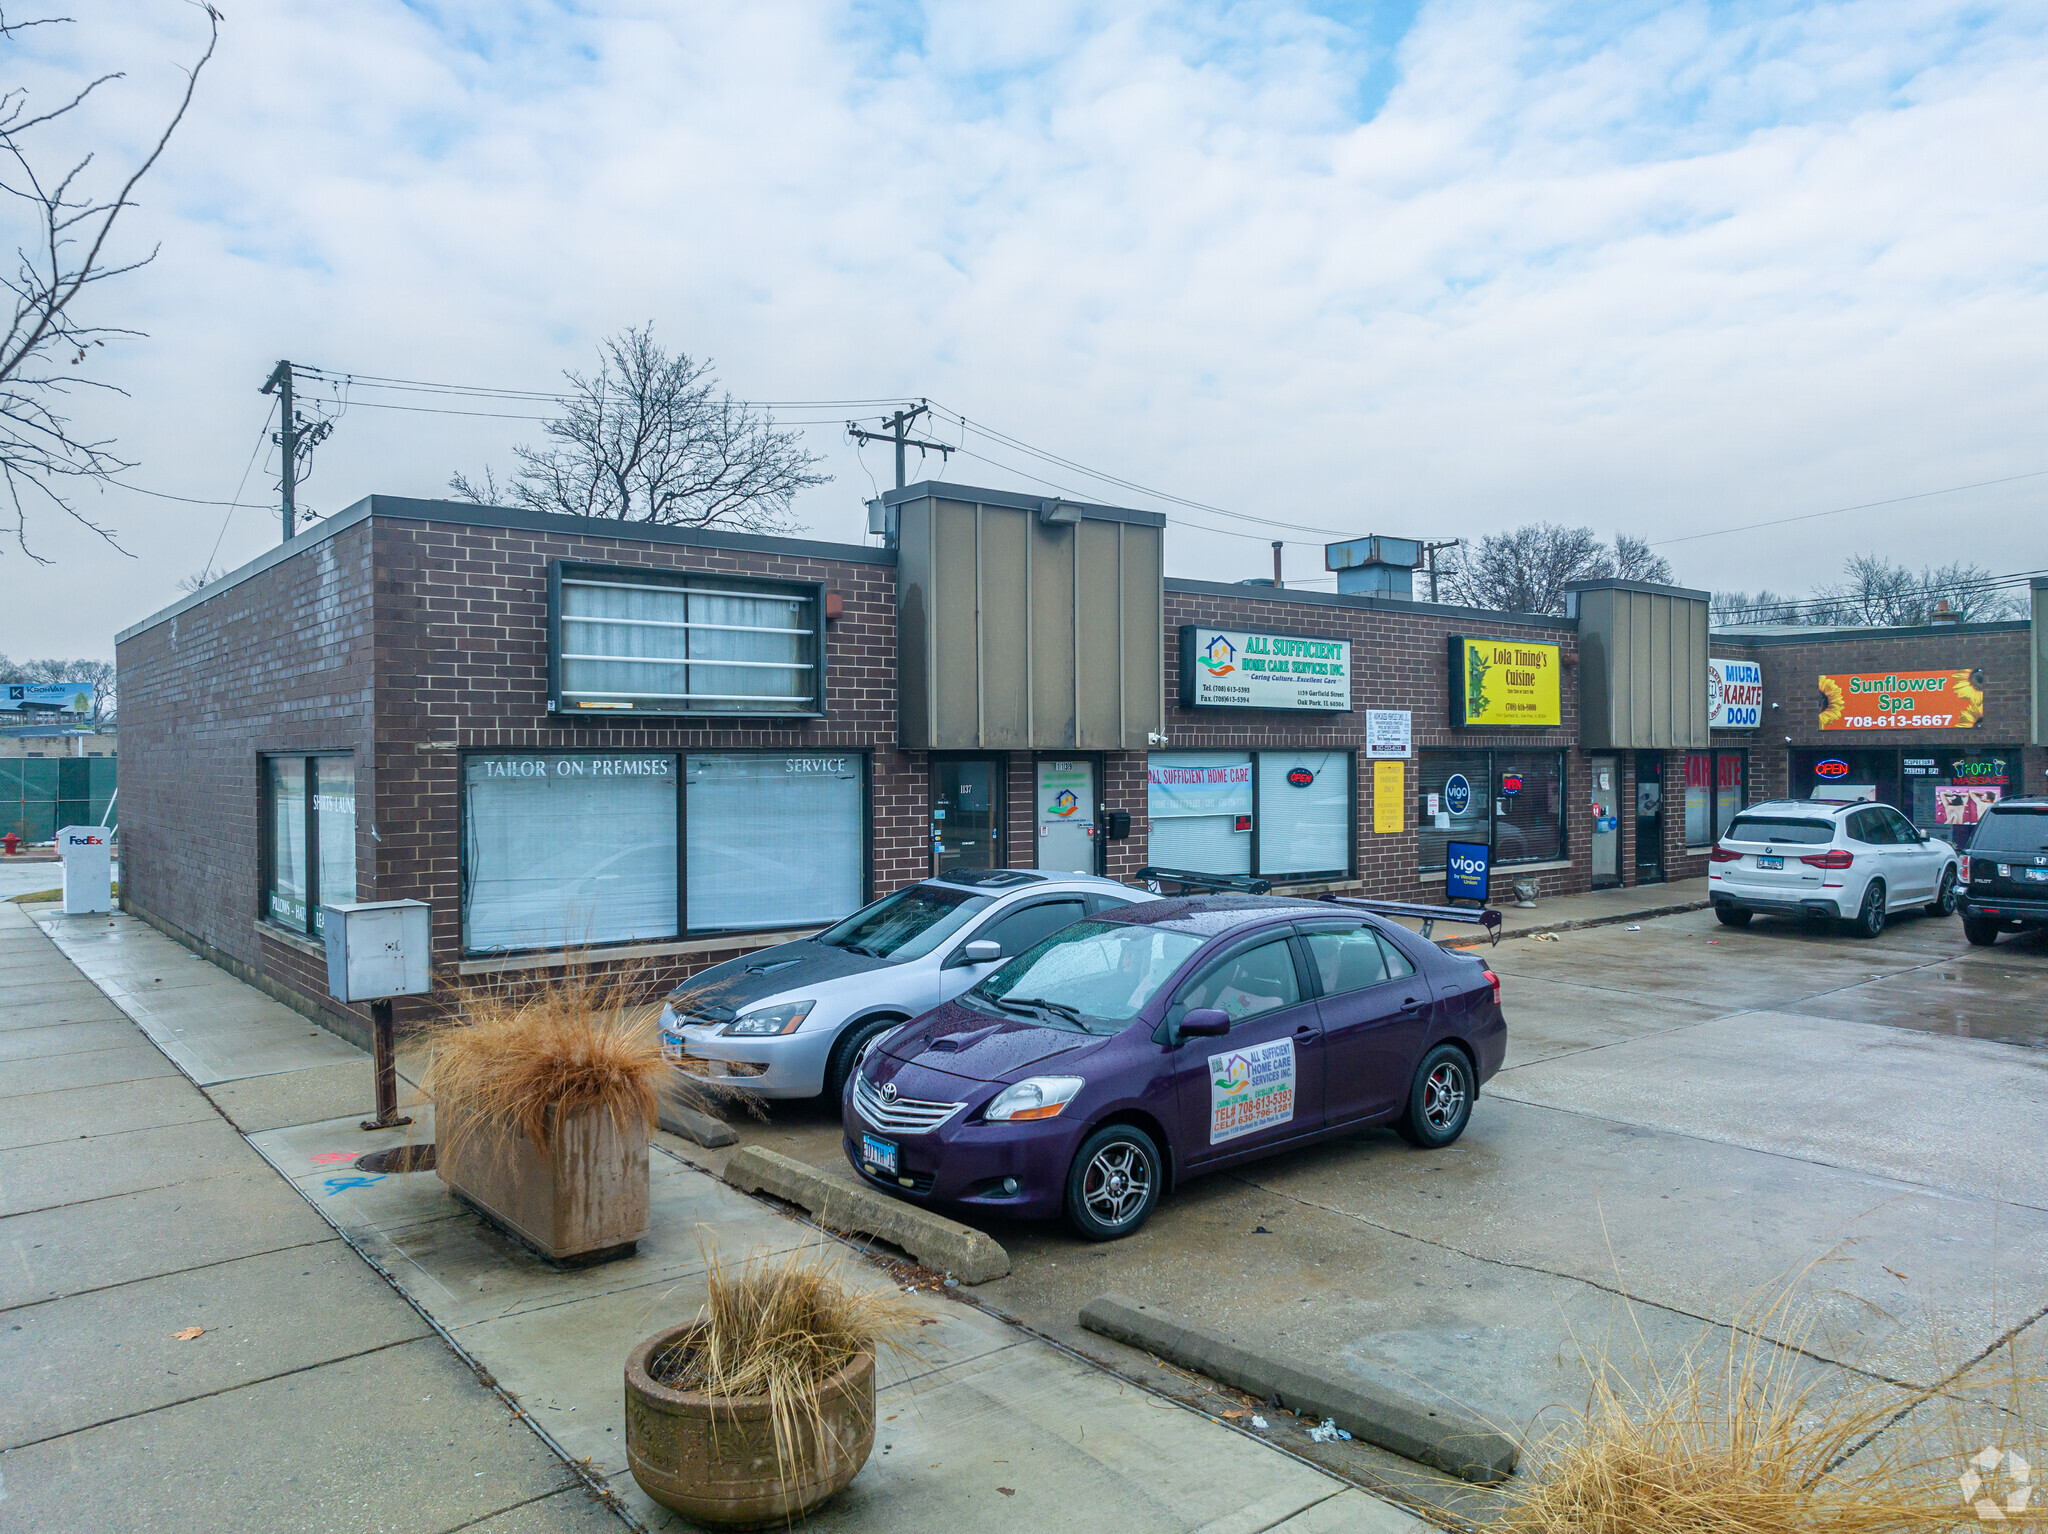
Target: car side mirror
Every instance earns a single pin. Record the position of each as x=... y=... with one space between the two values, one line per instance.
x=983 y=952
x=1205 y=1023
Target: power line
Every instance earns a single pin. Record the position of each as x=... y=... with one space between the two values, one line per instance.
x=1985 y=585
x=261 y=432
x=1749 y=527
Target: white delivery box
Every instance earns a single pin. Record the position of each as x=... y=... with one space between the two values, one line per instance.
x=377 y=948
x=88 y=869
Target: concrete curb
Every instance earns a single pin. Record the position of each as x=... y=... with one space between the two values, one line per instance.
x=933 y=1240
x=695 y=1124
x=1592 y=921
x=1441 y=1436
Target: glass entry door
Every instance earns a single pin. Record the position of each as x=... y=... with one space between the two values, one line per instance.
x=1606 y=813
x=1649 y=818
x=967 y=826
x=1066 y=816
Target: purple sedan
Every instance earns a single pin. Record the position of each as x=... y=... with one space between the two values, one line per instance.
x=1128 y=1053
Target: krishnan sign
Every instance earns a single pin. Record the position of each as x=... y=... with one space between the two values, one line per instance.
x=1258 y=668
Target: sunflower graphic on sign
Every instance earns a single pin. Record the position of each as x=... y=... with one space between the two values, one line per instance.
x=1065 y=804
x=1219 y=655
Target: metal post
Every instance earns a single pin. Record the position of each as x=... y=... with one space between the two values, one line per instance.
x=1276 y=564
x=386 y=1066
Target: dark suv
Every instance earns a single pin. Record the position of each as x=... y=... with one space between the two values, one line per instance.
x=2005 y=876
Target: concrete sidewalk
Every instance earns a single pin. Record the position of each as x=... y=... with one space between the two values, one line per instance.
x=1568 y=913
x=314 y=1397
x=982 y=1424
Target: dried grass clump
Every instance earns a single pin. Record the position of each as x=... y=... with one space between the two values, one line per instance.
x=530 y=1056
x=777 y=1329
x=1762 y=1441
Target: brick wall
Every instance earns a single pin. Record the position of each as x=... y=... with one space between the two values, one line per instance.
x=1400 y=660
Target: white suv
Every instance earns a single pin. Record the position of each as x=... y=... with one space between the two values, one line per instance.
x=1855 y=862
x=792 y=1020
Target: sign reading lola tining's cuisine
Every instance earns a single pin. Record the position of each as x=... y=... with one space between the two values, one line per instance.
x=1902 y=700
x=1256 y=668
x=1505 y=682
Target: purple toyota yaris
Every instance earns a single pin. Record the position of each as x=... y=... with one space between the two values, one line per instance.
x=1128 y=1053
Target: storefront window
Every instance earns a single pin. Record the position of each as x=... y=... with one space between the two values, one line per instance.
x=1715 y=789
x=309 y=831
x=1511 y=800
x=1200 y=804
x=772 y=841
x=1731 y=788
x=568 y=850
x=1304 y=827
x=1947 y=792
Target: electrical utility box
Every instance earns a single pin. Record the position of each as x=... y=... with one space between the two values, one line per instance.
x=378 y=949
x=88 y=869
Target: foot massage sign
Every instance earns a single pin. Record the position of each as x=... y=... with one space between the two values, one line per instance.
x=1250 y=1089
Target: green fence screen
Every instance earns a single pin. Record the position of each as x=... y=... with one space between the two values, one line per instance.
x=39 y=794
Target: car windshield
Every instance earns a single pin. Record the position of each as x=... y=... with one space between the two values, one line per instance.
x=2021 y=831
x=908 y=924
x=1765 y=828
x=1093 y=976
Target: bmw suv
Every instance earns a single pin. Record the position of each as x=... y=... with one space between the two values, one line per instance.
x=790 y=1021
x=1822 y=860
x=2005 y=873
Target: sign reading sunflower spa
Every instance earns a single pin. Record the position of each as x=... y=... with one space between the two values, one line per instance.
x=1902 y=700
x=1256 y=668
x=1505 y=682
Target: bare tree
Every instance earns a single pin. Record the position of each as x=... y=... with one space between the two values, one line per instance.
x=63 y=251
x=1882 y=593
x=1526 y=571
x=1634 y=561
x=198 y=580
x=651 y=438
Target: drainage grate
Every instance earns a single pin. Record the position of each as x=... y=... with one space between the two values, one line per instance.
x=400 y=1158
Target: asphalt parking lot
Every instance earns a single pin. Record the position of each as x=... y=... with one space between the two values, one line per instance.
x=1690 y=1117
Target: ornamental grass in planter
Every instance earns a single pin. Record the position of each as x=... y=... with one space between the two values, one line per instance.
x=761 y=1408
x=544 y=1097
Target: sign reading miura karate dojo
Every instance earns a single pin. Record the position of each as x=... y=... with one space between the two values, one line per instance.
x=1256 y=668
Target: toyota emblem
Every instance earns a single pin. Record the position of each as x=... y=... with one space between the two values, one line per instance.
x=889 y=1093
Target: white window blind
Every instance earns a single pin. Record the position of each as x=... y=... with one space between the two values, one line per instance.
x=1304 y=828
x=712 y=646
x=1193 y=800
x=567 y=850
x=773 y=841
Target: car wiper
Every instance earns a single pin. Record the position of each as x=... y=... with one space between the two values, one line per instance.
x=1059 y=1008
x=862 y=948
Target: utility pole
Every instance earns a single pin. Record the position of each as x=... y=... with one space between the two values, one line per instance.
x=297 y=439
x=897 y=434
x=1429 y=553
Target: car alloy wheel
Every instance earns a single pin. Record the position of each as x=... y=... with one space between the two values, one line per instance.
x=1443 y=1097
x=1945 y=899
x=1117 y=1184
x=1870 y=920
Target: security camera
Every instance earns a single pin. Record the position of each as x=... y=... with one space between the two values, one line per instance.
x=1154 y=738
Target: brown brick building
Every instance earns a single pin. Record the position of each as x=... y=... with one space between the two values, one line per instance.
x=671 y=746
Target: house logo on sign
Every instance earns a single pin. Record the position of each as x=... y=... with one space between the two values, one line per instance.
x=1065 y=804
x=1219 y=656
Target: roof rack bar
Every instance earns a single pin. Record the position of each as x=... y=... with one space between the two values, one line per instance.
x=1428 y=915
x=1193 y=883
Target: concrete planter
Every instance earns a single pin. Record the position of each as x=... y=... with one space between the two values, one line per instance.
x=713 y=1459
x=584 y=1201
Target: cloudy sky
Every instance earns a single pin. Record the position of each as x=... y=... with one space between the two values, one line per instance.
x=1429 y=269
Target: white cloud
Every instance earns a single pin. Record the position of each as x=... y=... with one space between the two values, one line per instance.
x=1666 y=270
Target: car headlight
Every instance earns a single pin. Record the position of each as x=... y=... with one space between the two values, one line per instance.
x=1038 y=1097
x=766 y=1022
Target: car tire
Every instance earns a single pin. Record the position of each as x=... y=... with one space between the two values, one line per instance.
x=1869 y=919
x=847 y=1052
x=1113 y=1185
x=1945 y=897
x=1439 y=1099
x=1732 y=916
x=1981 y=933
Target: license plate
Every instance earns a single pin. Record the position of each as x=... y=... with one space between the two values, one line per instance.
x=880 y=1155
x=1763 y=862
x=2038 y=875
x=671 y=1050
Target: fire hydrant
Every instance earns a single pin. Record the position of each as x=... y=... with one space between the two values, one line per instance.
x=11 y=843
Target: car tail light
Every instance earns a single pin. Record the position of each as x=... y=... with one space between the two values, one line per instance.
x=1834 y=857
x=1493 y=980
x=1723 y=855
x=1963 y=872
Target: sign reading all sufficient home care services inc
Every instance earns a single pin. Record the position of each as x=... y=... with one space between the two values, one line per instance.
x=1902 y=700
x=1256 y=668
x=1505 y=682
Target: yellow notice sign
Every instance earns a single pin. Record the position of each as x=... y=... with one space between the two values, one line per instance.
x=1389 y=796
x=1505 y=681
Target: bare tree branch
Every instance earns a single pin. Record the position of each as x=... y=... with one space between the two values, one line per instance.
x=1525 y=571
x=65 y=254
x=651 y=438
